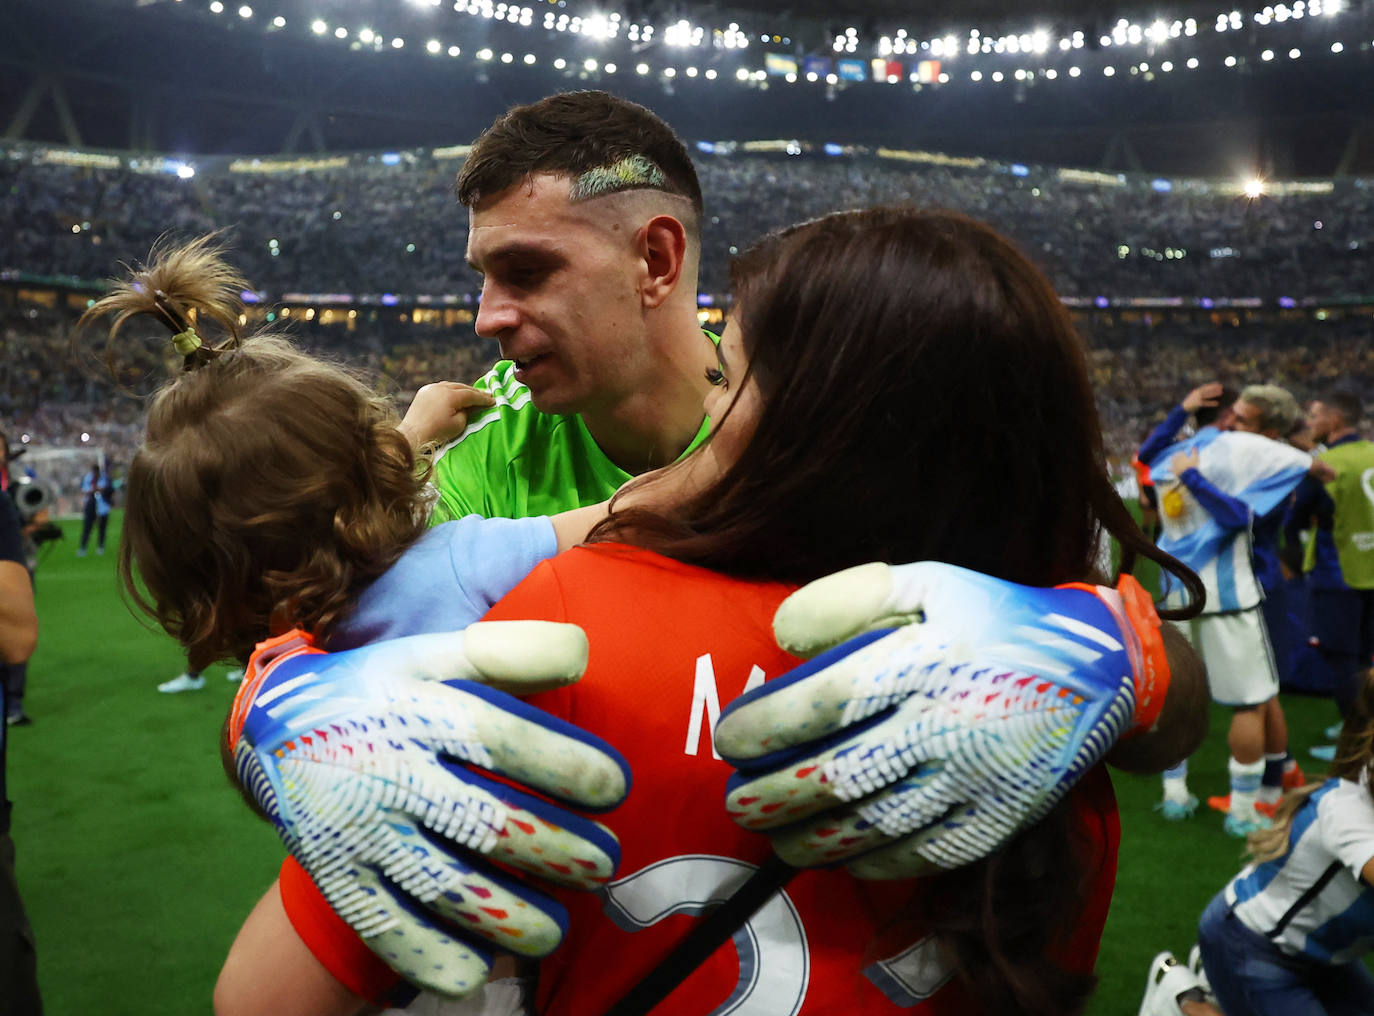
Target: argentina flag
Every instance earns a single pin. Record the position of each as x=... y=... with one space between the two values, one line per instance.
x=1255 y=470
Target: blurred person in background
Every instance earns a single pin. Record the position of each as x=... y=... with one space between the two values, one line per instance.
x=1336 y=511
x=18 y=636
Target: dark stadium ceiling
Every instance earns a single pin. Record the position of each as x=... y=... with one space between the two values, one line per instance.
x=249 y=77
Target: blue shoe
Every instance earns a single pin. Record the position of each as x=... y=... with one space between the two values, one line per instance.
x=1243 y=827
x=1323 y=752
x=1334 y=731
x=1177 y=811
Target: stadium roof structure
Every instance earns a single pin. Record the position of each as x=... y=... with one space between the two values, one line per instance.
x=1197 y=88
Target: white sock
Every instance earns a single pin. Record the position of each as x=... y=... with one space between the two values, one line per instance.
x=1245 y=784
x=1176 y=783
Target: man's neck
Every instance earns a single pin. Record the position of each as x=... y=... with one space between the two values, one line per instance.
x=654 y=426
x=647 y=434
x=1339 y=435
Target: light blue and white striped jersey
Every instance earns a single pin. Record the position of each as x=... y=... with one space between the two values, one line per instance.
x=1311 y=901
x=1255 y=470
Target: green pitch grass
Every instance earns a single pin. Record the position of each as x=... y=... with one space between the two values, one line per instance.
x=138 y=861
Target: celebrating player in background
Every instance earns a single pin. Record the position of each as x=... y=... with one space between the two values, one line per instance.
x=1339 y=558
x=1289 y=934
x=1222 y=498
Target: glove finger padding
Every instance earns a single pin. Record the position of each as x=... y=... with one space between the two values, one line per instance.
x=999 y=699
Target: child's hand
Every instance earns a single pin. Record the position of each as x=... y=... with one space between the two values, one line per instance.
x=439 y=412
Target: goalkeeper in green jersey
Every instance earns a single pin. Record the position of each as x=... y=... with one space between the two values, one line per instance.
x=585 y=224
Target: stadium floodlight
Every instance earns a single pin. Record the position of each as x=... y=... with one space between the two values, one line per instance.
x=1230 y=61
x=1192 y=63
x=711 y=74
x=279 y=22
x=1050 y=73
x=1158 y=32
x=642 y=68
x=367 y=36
x=245 y=12
x=1336 y=47
x=529 y=59
x=558 y=64
x=1294 y=53
x=742 y=74
x=486 y=54
x=976 y=76
x=832 y=79
x=217 y=7
x=1254 y=187
x=1166 y=66
x=318 y=27
x=454 y=51
x=610 y=68
x=997 y=76
x=398 y=43
x=692 y=72
x=341 y=32
x=507 y=58
x=1074 y=72
x=1039 y=41
x=670 y=72
x=1267 y=55
x=589 y=65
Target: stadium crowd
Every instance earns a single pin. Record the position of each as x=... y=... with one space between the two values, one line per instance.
x=375 y=227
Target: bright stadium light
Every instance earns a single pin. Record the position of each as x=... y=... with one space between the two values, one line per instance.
x=976 y=76
x=1074 y=72
x=711 y=74
x=1336 y=47
x=185 y=172
x=997 y=76
x=454 y=51
x=1192 y=63
x=398 y=43
x=367 y=37
x=558 y=64
x=529 y=59
x=341 y=33
x=642 y=68
x=1294 y=53
x=217 y=7
x=742 y=74
x=1230 y=61
x=1254 y=187
x=1267 y=55
x=433 y=46
x=1108 y=71
x=318 y=27
x=279 y=22
x=486 y=54
x=245 y=11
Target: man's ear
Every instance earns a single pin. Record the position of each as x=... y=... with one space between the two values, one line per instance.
x=663 y=245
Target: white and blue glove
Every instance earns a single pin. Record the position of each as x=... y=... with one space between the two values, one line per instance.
x=929 y=742
x=368 y=762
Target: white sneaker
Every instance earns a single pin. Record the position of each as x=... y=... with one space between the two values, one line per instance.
x=1168 y=978
x=234 y=676
x=182 y=682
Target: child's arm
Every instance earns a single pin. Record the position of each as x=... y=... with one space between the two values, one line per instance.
x=439 y=412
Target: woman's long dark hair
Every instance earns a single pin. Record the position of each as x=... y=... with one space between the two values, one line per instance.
x=925 y=397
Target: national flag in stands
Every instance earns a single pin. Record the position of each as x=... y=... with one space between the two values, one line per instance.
x=928 y=71
x=779 y=64
x=1254 y=470
x=886 y=70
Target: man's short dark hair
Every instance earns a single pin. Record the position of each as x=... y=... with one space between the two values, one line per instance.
x=1346 y=403
x=1207 y=415
x=576 y=134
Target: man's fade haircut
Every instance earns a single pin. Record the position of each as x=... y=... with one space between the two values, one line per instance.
x=604 y=144
x=1279 y=410
x=1346 y=404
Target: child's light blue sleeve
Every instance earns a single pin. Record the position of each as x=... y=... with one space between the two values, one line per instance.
x=492 y=556
x=447 y=579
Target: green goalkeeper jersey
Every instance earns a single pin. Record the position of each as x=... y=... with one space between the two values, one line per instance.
x=513 y=461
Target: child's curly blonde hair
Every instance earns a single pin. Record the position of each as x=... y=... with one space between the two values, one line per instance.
x=271 y=486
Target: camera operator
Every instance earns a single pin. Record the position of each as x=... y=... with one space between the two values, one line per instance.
x=18 y=636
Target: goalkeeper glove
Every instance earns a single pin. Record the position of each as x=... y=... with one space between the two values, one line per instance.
x=928 y=743
x=364 y=762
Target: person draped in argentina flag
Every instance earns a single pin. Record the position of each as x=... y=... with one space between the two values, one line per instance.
x=1221 y=504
